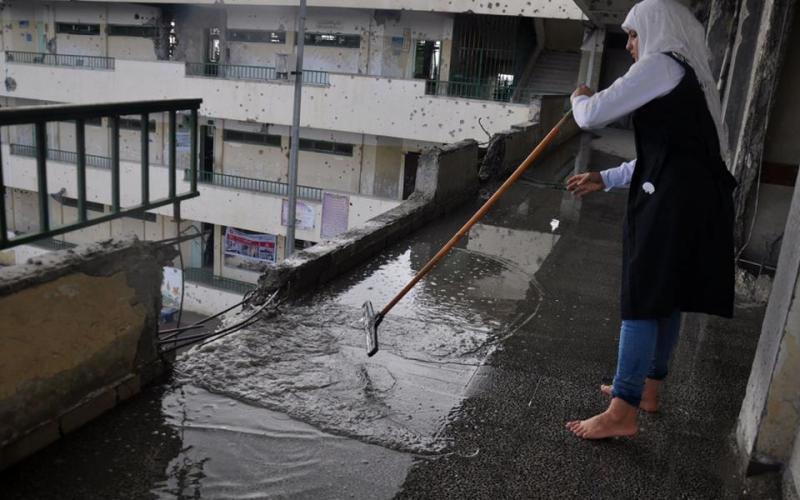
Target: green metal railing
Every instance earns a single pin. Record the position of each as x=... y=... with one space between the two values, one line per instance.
x=70 y=60
x=40 y=116
x=254 y=73
x=231 y=71
x=53 y=244
x=61 y=156
x=259 y=185
x=470 y=90
x=207 y=277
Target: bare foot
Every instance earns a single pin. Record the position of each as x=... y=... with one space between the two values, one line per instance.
x=650 y=397
x=618 y=420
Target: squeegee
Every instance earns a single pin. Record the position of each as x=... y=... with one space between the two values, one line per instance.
x=372 y=321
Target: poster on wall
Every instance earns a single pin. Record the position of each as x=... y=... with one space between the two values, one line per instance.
x=335 y=212
x=171 y=287
x=256 y=247
x=304 y=215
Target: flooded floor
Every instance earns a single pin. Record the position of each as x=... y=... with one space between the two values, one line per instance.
x=490 y=347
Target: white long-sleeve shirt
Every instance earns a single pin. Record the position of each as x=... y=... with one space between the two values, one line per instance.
x=649 y=78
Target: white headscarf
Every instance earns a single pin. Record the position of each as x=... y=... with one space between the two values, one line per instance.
x=668 y=26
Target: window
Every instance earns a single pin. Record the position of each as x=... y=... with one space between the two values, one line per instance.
x=133 y=31
x=257 y=36
x=333 y=40
x=251 y=138
x=145 y=216
x=334 y=148
x=90 y=205
x=135 y=124
x=78 y=29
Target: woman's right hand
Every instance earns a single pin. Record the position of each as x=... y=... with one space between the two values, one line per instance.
x=582 y=184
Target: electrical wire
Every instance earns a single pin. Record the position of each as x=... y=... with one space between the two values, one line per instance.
x=173 y=332
x=210 y=337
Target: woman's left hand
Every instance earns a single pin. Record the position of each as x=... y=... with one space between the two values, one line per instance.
x=583 y=90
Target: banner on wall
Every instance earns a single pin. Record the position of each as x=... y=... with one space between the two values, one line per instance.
x=335 y=212
x=254 y=247
x=304 y=215
x=171 y=288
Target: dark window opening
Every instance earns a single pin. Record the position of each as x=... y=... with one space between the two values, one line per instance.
x=90 y=205
x=133 y=31
x=302 y=244
x=333 y=40
x=334 y=148
x=252 y=138
x=136 y=124
x=78 y=29
x=257 y=36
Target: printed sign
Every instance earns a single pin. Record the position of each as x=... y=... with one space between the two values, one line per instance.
x=171 y=288
x=335 y=211
x=304 y=215
x=254 y=247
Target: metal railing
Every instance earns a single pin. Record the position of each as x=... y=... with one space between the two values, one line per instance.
x=61 y=156
x=470 y=90
x=253 y=73
x=40 y=116
x=53 y=244
x=259 y=185
x=70 y=60
x=206 y=276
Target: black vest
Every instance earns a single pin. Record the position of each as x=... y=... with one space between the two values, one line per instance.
x=678 y=235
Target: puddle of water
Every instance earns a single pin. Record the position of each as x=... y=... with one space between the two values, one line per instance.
x=233 y=450
x=309 y=361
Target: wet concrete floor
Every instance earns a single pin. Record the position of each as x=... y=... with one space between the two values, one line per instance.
x=480 y=367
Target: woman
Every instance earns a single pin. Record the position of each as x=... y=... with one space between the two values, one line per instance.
x=678 y=234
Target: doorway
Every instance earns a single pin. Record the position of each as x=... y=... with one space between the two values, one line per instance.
x=427 y=61
x=410 y=174
x=206 y=153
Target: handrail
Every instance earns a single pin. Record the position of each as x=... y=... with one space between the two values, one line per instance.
x=258 y=185
x=254 y=73
x=70 y=60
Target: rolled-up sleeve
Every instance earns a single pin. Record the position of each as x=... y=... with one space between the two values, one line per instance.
x=648 y=79
x=619 y=176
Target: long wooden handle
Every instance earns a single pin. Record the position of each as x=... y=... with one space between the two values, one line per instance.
x=480 y=213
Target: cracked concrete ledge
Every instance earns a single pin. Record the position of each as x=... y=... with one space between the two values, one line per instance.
x=97 y=308
x=446 y=178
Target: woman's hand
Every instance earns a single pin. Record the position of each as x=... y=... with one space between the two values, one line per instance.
x=583 y=90
x=582 y=184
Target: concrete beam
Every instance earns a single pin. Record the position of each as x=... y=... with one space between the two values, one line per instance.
x=770 y=414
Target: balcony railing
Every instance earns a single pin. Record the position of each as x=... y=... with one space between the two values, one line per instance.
x=484 y=91
x=71 y=60
x=40 y=116
x=253 y=73
x=259 y=185
x=207 y=277
x=53 y=244
x=60 y=155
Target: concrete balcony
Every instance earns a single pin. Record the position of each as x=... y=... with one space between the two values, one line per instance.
x=558 y=9
x=349 y=103
x=251 y=204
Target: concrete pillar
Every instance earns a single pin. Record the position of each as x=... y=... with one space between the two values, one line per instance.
x=592 y=57
x=218 y=257
x=791 y=478
x=770 y=414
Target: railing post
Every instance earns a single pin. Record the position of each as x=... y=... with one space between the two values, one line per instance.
x=173 y=134
x=193 y=149
x=41 y=176
x=3 y=226
x=115 y=163
x=80 y=149
x=144 y=128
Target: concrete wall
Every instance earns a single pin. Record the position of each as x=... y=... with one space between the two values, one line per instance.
x=770 y=414
x=356 y=104
x=561 y=9
x=781 y=145
x=102 y=307
x=446 y=178
x=791 y=480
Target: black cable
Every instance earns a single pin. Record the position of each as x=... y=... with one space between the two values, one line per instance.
x=175 y=331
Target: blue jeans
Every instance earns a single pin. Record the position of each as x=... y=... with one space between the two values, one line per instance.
x=645 y=349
